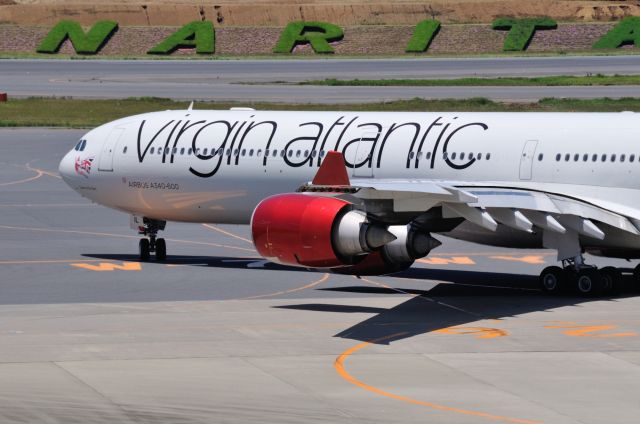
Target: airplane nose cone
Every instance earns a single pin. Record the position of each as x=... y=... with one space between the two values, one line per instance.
x=66 y=167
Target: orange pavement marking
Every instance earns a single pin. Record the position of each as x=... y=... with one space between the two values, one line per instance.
x=24 y=180
x=530 y=259
x=324 y=278
x=454 y=260
x=220 y=230
x=340 y=369
x=480 y=332
x=46 y=261
x=588 y=330
x=109 y=266
x=49 y=173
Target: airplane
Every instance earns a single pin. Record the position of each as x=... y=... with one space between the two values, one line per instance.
x=364 y=193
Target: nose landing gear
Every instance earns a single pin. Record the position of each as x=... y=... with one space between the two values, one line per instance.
x=151 y=244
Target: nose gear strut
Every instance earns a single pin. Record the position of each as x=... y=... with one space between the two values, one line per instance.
x=150 y=244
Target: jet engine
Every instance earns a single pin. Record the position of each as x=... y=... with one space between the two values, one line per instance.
x=410 y=244
x=314 y=231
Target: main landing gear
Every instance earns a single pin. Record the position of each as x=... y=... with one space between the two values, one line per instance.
x=586 y=280
x=151 y=244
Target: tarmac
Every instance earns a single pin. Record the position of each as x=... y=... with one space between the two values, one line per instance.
x=225 y=80
x=216 y=334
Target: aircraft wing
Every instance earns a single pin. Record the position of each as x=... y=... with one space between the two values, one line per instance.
x=488 y=206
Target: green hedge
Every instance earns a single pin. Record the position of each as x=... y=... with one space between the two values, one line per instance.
x=200 y=35
x=521 y=31
x=89 y=43
x=318 y=34
x=422 y=36
x=626 y=32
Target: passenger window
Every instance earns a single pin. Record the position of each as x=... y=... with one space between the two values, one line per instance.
x=576 y=157
x=204 y=152
x=411 y=155
x=567 y=157
x=182 y=151
x=228 y=152
x=190 y=151
x=298 y=154
x=159 y=151
x=83 y=144
x=251 y=152
x=585 y=157
x=453 y=156
x=479 y=156
x=244 y=152
x=124 y=150
x=462 y=156
x=152 y=151
x=613 y=158
x=306 y=153
x=313 y=153
x=540 y=156
x=445 y=155
x=622 y=158
x=632 y=158
x=427 y=156
x=603 y=158
x=594 y=157
x=236 y=152
x=290 y=153
x=259 y=153
x=558 y=156
x=321 y=153
x=488 y=156
x=419 y=155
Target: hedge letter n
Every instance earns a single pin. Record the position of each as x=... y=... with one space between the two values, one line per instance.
x=89 y=43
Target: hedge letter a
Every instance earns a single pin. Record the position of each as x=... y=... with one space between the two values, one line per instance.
x=626 y=32
x=89 y=43
x=318 y=34
x=198 y=34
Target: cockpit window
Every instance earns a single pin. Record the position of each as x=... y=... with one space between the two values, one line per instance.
x=80 y=145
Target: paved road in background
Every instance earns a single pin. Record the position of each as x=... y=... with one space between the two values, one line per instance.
x=214 y=80
x=215 y=334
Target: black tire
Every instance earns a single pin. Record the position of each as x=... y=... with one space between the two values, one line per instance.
x=552 y=280
x=143 y=249
x=588 y=282
x=636 y=278
x=161 y=249
x=611 y=280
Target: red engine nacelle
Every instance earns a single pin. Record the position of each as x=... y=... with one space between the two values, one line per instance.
x=296 y=229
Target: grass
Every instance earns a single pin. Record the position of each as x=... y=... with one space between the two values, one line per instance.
x=76 y=113
x=561 y=80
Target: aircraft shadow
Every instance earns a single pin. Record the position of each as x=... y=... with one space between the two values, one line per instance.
x=462 y=298
x=440 y=298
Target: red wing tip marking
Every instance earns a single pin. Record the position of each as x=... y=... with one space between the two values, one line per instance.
x=332 y=171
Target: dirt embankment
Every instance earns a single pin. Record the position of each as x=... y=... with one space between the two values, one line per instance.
x=260 y=13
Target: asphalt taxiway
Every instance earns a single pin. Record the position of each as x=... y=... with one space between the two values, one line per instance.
x=215 y=334
x=218 y=79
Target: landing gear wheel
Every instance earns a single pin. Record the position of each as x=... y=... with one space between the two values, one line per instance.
x=611 y=280
x=588 y=282
x=636 y=278
x=552 y=280
x=144 y=249
x=161 y=249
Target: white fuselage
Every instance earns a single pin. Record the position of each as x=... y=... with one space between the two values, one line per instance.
x=147 y=165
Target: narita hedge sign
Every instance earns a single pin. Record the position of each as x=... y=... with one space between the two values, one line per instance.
x=200 y=36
